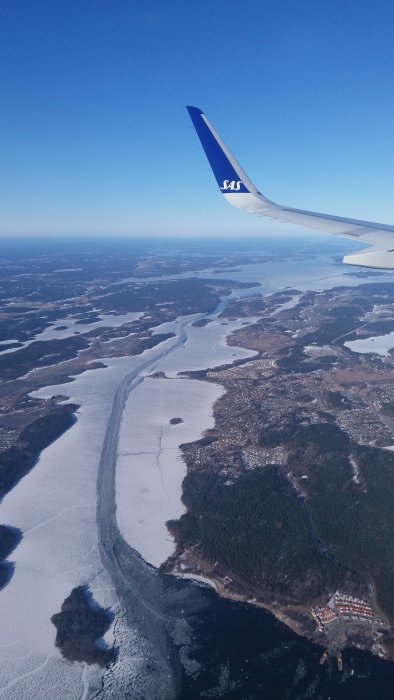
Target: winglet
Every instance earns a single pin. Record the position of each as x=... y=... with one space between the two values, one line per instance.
x=239 y=191
x=228 y=173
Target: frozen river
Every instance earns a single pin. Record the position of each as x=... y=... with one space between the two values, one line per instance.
x=55 y=505
x=150 y=469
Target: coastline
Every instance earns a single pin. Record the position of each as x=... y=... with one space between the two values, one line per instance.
x=224 y=592
x=296 y=616
x=203 y=574
x=150 y=468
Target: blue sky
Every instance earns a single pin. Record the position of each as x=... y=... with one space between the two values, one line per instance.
x=95 y=138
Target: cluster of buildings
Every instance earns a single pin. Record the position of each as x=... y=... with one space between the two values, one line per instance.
x=257 y=417
x=364 y=426
x=260 y=367
x=324 y=616
x=347 y=606
x=8 y=437
x=343 y=607
x=256 y=456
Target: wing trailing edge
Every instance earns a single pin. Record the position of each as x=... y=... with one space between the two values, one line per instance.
x=240 y=191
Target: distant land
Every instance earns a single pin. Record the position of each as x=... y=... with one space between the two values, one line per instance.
x=289 y=498
x=176 y=414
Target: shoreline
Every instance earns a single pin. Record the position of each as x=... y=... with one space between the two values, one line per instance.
x=217 y=583
x=180 y=565
x=278 y=610
x=150 y=468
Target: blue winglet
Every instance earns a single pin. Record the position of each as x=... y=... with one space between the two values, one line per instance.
x=228 y=179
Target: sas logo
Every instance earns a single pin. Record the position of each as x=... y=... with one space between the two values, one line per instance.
x=234 y=185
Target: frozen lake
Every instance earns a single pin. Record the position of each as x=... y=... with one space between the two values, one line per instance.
x=67 y=327
x=150 y=468
x=55 y=504
x=379 y=344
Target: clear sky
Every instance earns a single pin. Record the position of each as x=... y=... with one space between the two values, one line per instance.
x=94 y=136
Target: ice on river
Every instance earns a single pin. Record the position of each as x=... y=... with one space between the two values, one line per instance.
x=55 y=507
x=150 y=468
x=205 y=347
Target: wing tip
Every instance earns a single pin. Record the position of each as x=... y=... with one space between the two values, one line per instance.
x=194 y=111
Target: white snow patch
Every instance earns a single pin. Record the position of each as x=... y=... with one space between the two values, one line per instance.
x=380 y=344
x=150 y=468
x=355 y=470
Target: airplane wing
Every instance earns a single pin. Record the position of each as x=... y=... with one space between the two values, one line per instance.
x=241 y=192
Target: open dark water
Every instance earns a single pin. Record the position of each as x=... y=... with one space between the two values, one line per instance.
x=244 y=653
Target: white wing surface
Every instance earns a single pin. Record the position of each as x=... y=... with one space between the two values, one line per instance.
x=241 y=192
